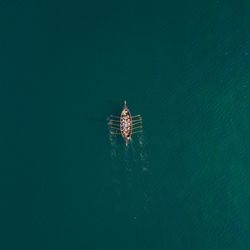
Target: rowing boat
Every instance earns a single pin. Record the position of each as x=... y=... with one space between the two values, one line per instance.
x=125 y=124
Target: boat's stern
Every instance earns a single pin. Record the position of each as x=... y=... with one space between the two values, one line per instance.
x=127 y=139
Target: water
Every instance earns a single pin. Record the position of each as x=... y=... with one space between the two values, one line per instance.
x=183 y=183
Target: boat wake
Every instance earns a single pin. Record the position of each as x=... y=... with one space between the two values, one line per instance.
x=135 y=152
x=131 y=175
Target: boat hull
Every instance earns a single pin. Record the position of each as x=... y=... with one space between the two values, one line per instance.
x=126 y=124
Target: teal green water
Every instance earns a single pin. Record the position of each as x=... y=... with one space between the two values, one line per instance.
x=65 y=183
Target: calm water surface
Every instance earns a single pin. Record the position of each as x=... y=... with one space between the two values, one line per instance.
x=65 y=183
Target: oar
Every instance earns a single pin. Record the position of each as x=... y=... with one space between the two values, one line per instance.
x=114 y=120
x=139 y=131
x=137 y=127
x=114 y=127
x=115 y=133
x=137 y=119
x=140 y=122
